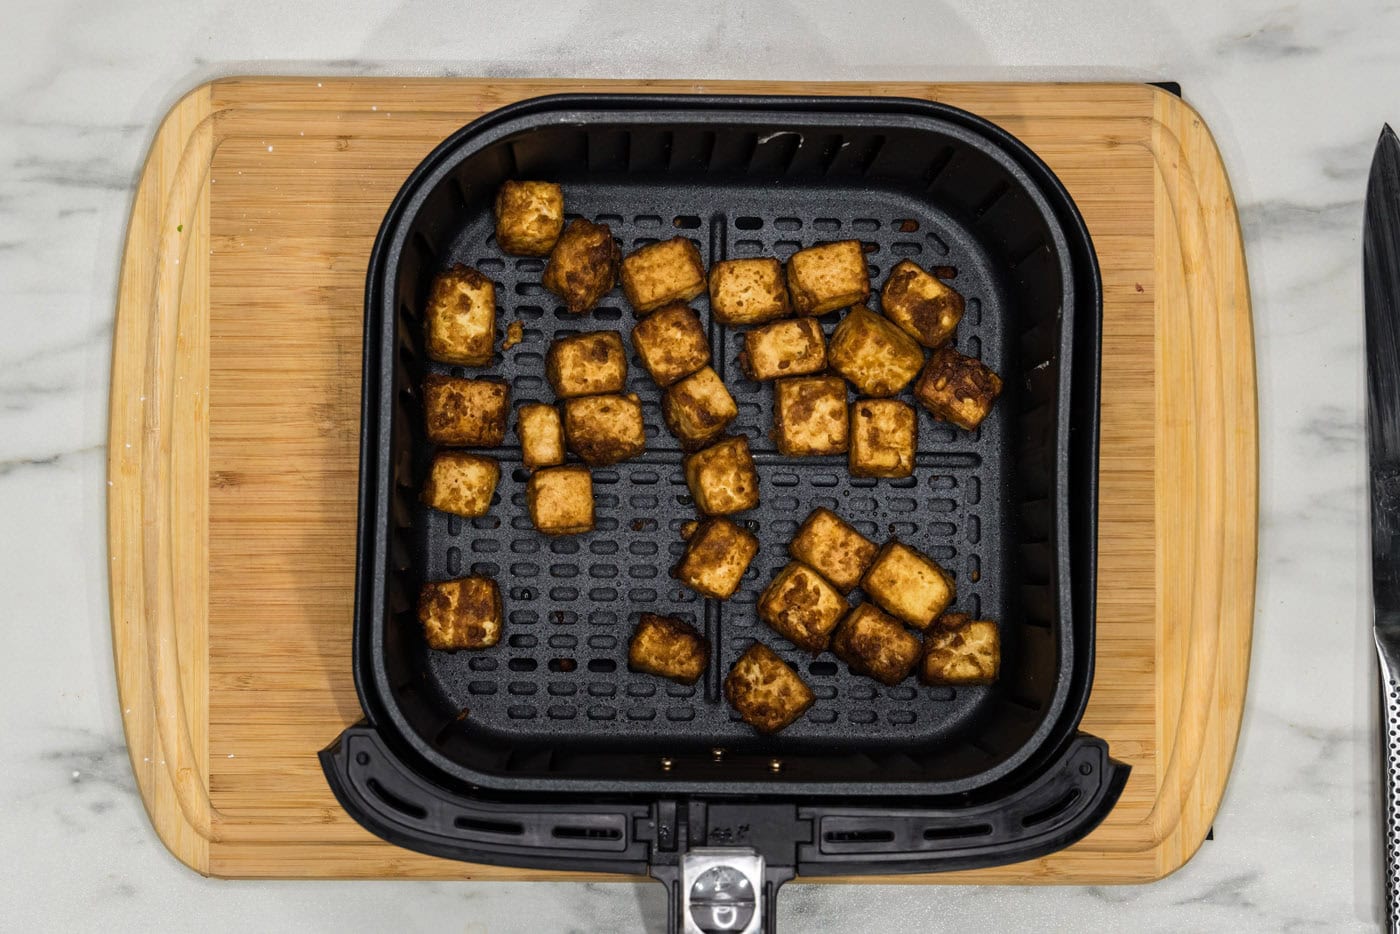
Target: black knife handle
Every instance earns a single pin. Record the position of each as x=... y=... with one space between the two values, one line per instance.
x=1390 y=777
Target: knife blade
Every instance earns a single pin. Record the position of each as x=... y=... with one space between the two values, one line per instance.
x=1381 y=269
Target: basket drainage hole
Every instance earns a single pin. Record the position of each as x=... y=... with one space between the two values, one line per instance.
x=824 y=669
x=748 y=223
x=562 y=665
x=602 y=665
x=686 y=222
x=522 y=664
x=394 y=801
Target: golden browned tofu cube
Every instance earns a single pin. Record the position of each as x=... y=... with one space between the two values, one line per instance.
x=716 y=556
x=957 y=388
x=748 y=291
x=836 y=550
x=582 y=267
x=884 y=435
x=541 y=432
x=466 y=412
x=801 y=606
x=968 y=654
x=660 y=273
x=878 y=358
x=461 y=614
x=561 y=500
x=698 y=408
x=809 y=415
x=909 y=584
x=922 y=304
x=603 y=430
x=784 y=348
x=586 y=364
x=823 y=278
x=669 y=647
x=529 y=217
x=461 y=483
x=460 y=321
x=765 y=691
x=671 y=343
x=722 y=478
x=876 y=645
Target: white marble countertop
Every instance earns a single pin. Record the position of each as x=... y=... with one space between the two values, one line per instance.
x=1295 y=97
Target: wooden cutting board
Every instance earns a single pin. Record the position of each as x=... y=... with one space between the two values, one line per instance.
x=235 y=432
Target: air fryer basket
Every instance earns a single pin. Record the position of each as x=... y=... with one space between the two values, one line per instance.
x=552 y=717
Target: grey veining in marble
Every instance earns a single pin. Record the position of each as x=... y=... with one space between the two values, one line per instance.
x=1295 y=95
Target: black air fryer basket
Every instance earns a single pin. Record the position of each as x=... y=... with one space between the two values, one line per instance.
x=546 y=751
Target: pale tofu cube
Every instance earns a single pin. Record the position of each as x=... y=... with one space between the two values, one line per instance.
x=461 y=483
x=884 y=436
x=698 y=408
x=460 y=321
x=809 y=416
x=795 y=347
x=461 y=614
x=748 y=291
x=878 y=358
x=909 y=585
x=660 y=273
x=826 y=277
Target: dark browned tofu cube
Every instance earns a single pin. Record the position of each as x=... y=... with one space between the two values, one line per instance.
x=957 y=388
x=765 y=691
x=461 y=614
x=924 y=306
x=541 y=432
x=876 y=645
x=823 y=278
x=748 y=291
x=795 y=347
x=968 y=654
x=586 y=364
x=461 y=483
x=460 y=320
x=669 y=647
x=802 y=607
x=722 y=478
x=582 y=267
x=838 y=552
x=466 y=412
x=561 y=500
x=671 y=343
x=716 y=556
x=809 y=415
x=698 y=408
x=884 y=435
x=603 y=430
x=660 y=273
x=529 y=217
x=908 y=584
x=878 y=358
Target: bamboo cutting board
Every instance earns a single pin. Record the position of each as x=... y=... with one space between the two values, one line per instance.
x=235 y=431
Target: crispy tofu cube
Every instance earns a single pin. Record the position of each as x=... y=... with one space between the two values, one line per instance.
x=748 y=291
x=809 y=415
x=660 y=273
x=923 y=305
x=698 y=408
x=586 y=364
x=878 y=358
x=603 y=430
x=836 y=550
x=909 y=584
x=671 y=343
x=967 y=654
x=823 y=278
x=461 y=614
x=460 y=320
x=461 y=483
x=876 y=645
x=957 y=388
x=529 y=217
x=561 y=500
x=722 y=478
x=717 y=554
x=765 y=691
x=669 y=647
x=582 y=267
x=541 y=432
x=884 y=435
x=802 y=607
x=784 y=348
x=466 y=412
